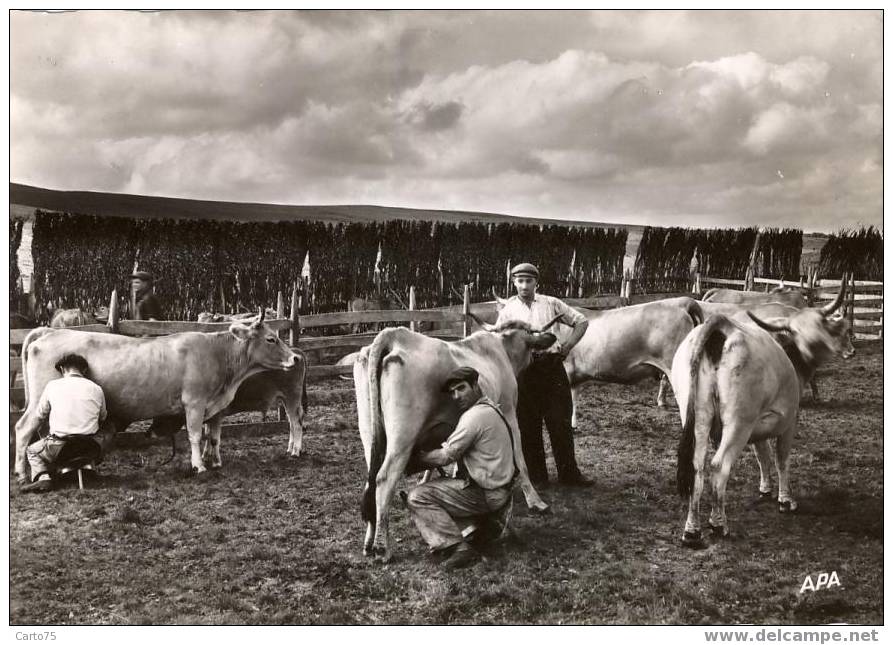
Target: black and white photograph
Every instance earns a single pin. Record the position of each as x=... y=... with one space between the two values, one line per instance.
x=437 y=317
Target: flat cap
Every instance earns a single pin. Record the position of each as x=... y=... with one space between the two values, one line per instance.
x=467 y=374
x=142 y=275
x=525 y=268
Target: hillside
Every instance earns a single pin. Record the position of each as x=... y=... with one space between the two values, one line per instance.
x=23 y=199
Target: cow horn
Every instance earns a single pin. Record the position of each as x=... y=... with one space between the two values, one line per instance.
x=767 y=325
x=502 y=301
x=481 y=323
x=550 y=323
x=829 y=309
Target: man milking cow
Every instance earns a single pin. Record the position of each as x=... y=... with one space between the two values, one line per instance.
x=544 y=392
x=74 y=406
x=482 y=446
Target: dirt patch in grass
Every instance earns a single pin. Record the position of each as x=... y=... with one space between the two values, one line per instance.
x=275 y=540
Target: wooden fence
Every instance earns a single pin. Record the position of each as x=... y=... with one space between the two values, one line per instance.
x=864 y=307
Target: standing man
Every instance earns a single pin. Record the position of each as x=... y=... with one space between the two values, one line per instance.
x=74 y=405
x=482 y=445
x=544 y=392
x=146 y=305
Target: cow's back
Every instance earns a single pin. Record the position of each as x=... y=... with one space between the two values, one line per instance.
x=140 y=377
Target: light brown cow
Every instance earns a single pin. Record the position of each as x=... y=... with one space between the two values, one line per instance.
x=400 y=405
x=191 y=373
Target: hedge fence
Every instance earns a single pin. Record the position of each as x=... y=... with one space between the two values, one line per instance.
x=238 y=266
x=860 y=252
x=664 y=260
x=15 y=239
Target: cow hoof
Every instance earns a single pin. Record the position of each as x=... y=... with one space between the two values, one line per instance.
x=215 y=466
x=789 y=506
x=720 y=531
x=692 y=540
x=544 y=509
x=765 y=497
x=21 y=480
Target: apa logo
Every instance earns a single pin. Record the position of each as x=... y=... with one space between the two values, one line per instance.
x=826 y=580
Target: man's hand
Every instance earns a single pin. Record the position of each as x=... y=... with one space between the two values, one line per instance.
x=432 y=458
x=560 y=350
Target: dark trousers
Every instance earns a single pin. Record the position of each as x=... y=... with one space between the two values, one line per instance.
x=544 y=394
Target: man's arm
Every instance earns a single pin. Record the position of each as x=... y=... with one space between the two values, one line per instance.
x=574 y=319
x=463 y=437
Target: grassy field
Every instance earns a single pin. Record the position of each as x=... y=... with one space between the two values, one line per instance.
x=271 y=540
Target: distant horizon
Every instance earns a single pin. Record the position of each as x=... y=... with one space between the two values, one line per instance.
x=567 y=222
x=701 y=119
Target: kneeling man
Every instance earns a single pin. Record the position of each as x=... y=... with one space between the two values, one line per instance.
x=74 y=405
x=482 y=446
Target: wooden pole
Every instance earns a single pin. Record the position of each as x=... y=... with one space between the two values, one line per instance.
x=413 y=325
x=112 y=322
x=466 y=309
x=222 y=300
x=851 y=298
x=294 y=333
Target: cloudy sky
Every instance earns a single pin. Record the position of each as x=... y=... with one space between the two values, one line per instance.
x=668 y=118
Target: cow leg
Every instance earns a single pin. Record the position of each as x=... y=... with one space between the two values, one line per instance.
x=691 y=536
x=385 y=485
x=534 y=502
x=295 y=413
x=574 y=396
x=815 y=388
x=786 y=503
x=729 y=450
x=26 y=427
x=213 y=451
x=662 y=391
x=194 y=422
x=764 y=459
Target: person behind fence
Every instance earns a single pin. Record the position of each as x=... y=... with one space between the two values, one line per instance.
x=544 y=392
x=146 y=302
x=482 y=446
x=75 y=406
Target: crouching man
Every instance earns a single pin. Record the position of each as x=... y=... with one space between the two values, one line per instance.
x=482 y=446
x=75 y=406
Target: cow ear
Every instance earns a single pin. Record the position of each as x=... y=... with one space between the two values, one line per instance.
x=542 y=341
x=240 y=331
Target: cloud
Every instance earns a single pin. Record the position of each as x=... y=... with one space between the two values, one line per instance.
x=668 y=117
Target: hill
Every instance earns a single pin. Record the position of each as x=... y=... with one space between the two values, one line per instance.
x=24 y=199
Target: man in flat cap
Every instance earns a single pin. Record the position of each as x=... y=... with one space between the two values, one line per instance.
x=74 y=407
x=146 y=305
x=482 y=446
x=544 y=392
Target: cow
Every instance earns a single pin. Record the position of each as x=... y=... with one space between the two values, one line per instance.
x=400 y=406
x=737 y=384
x=785 y=296
x=208 y=317
x=629 y=344
x=377 y=302
x=76 y=317
x=191 y=372
x=776 y=310
x=260 y=392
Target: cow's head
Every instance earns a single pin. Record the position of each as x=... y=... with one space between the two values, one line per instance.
x=520 y=340
x=263 y=346
x=816 y=332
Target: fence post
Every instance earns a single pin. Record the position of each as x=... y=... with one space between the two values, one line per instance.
x=294 y=332
x=413 y=325
x=466 y=309
x=851 y=298
x=112 y=322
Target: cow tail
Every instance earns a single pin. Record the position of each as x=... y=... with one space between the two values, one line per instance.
x=710 y=338
x=33 y=335
x=379 y=348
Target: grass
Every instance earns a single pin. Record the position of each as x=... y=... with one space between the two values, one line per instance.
x=273 y=540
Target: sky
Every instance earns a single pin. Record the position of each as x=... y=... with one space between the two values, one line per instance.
x=670 y=118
